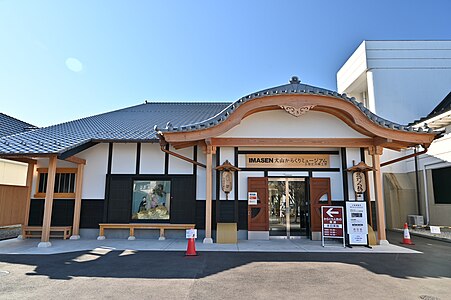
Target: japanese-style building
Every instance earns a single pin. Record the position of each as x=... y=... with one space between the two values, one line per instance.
x=292 y=145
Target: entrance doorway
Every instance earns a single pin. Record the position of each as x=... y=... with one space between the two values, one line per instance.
x=288 y=207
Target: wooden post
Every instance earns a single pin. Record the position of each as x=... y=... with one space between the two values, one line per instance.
x=380 y=212
x=208 y=204
x=30 y=174
x=77 y=205
x=48 y=203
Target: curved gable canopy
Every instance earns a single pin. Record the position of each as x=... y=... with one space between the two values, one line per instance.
x=297 y=98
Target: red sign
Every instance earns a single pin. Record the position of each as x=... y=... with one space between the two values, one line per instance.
x=332 y=217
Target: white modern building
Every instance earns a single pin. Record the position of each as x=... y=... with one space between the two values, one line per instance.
x=410 y=82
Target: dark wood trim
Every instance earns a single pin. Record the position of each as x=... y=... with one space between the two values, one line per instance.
x=287 y=152
x=107 y=182
x=138 y=157
x=344 y=166
x=310 y=174
x=236 y=207
x=195 y=159
x=166 y=161
x=110 y=157
x=76 y=150
x=218 y=180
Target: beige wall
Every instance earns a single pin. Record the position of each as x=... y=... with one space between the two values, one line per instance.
x=13 y=173
x=400 y=199
x=439 y=214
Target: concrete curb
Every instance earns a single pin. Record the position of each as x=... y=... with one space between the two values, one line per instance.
x=431 y=237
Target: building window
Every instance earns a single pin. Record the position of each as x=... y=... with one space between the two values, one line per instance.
x=151 y=199
x=64 y=183
x=440 y=183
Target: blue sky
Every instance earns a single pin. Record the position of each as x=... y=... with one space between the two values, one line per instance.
x=63 y=60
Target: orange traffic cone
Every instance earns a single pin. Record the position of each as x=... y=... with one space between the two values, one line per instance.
x=191 y=250
x=406 y=239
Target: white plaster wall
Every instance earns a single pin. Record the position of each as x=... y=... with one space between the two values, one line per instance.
x=152 y=159
x=179 y=166
x=124 y=158
x=336 y=185
x=228 y=153
x=280 y=124
x=94 y=175
x=242 y=182
x=201 y=176
x=13 y=173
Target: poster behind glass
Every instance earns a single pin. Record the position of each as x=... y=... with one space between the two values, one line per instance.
x=151 y=199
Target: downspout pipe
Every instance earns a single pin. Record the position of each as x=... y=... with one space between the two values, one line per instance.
x=403 y=158
x=163 y=144
x=417 y=181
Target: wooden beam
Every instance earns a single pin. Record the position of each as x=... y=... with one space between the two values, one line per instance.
x=30 y=173
x=48 y=203
x=209 y=195
x=76 y=160
x=380 y=212
x=294 y=142
x=181 y=145
x=77 y=205
x=21 y=159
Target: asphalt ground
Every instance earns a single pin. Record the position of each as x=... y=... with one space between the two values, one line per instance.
x=107 y=274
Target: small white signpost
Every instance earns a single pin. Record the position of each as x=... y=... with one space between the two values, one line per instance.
x=191 y=233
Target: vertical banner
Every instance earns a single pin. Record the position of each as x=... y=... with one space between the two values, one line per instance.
x=357 y=226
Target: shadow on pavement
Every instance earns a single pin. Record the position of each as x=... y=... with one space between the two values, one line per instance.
x=435 y=262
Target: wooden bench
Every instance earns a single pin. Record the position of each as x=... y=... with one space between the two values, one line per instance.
x=36 y=231
x=161 y=226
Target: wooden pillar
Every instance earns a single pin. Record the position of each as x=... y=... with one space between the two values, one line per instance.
x=48 y=203
x=77 y=205
x=380 y=212
x=30 y=173
x=208 y=204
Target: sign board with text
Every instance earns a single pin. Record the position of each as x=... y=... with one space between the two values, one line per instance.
x=287 y=161
x=357 y=224
x=252 y=198
x=332 y=218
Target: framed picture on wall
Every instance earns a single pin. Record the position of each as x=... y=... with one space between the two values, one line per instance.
x=151 y=200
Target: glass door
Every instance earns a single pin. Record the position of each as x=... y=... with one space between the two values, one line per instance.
x=288 y=207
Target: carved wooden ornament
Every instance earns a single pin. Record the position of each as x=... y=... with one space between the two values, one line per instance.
x=297 y=111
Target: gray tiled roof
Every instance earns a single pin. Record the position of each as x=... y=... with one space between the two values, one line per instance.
x=141 y=122
x=129 y=124
x=10 y=125
x=294 y=87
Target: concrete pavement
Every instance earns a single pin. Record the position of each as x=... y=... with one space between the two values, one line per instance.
x=29 y=246
x=105 y=273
